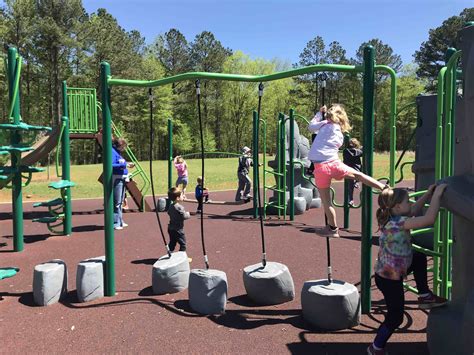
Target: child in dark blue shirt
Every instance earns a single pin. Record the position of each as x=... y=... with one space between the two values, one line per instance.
x=202 y=195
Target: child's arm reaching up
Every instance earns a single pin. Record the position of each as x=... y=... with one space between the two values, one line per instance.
x=318 y=120
x=418 y=205
x=430 y=217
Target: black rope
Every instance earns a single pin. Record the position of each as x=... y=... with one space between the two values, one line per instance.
x=259 y=199
x=198 y=94
x=152 y=136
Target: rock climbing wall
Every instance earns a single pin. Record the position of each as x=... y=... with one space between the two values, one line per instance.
x=451 y=328
x=306 y=195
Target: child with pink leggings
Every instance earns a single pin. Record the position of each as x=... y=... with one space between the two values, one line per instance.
x=327 y=165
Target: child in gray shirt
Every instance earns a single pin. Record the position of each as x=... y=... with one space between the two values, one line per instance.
x=177 y=216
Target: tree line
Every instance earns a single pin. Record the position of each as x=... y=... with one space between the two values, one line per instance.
x=59 y=41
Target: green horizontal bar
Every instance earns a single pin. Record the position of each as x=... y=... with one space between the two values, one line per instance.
x=23 y=127
x=273 y=204
x=425 y=251
x=273 y=172
x=422 y=231
x=207 y=153
x=410 y=288
x=16 y=148
x=236 y=77
x=274 y=189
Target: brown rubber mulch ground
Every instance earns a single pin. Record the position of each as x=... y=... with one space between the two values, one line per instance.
x=136 y=321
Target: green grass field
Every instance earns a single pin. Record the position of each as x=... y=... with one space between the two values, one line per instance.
x=220 y=175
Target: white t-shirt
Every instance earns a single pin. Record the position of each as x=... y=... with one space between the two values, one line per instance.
x=328 y=141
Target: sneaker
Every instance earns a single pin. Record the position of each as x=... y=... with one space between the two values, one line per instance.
x=372 y=351
x=198 y=212
x=118 y=228
x=351 y=203
x=124 y=225
x=328 y=232
x=431 y=301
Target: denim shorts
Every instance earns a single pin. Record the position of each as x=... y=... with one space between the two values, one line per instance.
x=182 y=180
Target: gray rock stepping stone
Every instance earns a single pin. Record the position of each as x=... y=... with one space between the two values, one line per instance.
x=207 y=291
x=300 y=205
x=161 y=204
x=49 y=282
x=90 y=279
x=307 y=194
x=170 y=274
x=315 y=203
x=270 y=285
x=330 y=306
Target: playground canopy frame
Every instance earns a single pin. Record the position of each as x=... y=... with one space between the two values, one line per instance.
x=368 y=69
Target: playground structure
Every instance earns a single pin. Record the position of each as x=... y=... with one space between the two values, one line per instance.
x=369 y=68
x=17 y=127
x=79 y=121
x=83 y=107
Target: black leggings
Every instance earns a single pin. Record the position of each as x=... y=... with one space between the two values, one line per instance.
x=394 y=295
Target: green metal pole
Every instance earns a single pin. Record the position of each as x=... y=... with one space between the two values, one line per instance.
x=448 y=160
x=346 y=203
x=66 y=164
x=438 y=175
x=278 y=177
x=15 y=138
x=170 y=153
x=291 y=163
x=283 y=163
x=368 y=129
x=107 y=174
x=255 y=162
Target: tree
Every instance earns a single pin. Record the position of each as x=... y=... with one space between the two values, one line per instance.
x=384 y=55
x=307 y=88
x=431 y=56
x=208 y=55
x=55 y=35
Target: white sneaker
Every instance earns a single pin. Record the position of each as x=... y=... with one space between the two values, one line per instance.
x=124 y=225
x=118 y=228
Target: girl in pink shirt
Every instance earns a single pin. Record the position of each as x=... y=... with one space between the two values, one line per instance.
x=327 y=165
x=182 y=169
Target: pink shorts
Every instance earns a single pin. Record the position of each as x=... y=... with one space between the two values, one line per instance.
x=334 y=169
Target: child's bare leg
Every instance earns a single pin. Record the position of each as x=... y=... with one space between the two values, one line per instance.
x=366 y=180
x=330 y=212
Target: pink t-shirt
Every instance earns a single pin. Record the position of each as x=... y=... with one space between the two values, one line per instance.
x=182 y=169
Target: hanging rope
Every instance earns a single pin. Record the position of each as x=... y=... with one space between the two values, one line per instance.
x=198 y=94
x=259 y=199
x=152 y=138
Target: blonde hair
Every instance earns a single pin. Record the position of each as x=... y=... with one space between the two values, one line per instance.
x=174 y=193
x=354 y=143
x=337 y=114
x=179 y=159
x=388 y=198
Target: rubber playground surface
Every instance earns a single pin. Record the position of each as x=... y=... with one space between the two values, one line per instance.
x=136 y=321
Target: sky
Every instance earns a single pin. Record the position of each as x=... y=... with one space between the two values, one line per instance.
x=281 y=28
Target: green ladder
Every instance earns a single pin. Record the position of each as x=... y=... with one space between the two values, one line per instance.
x=279 y=173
